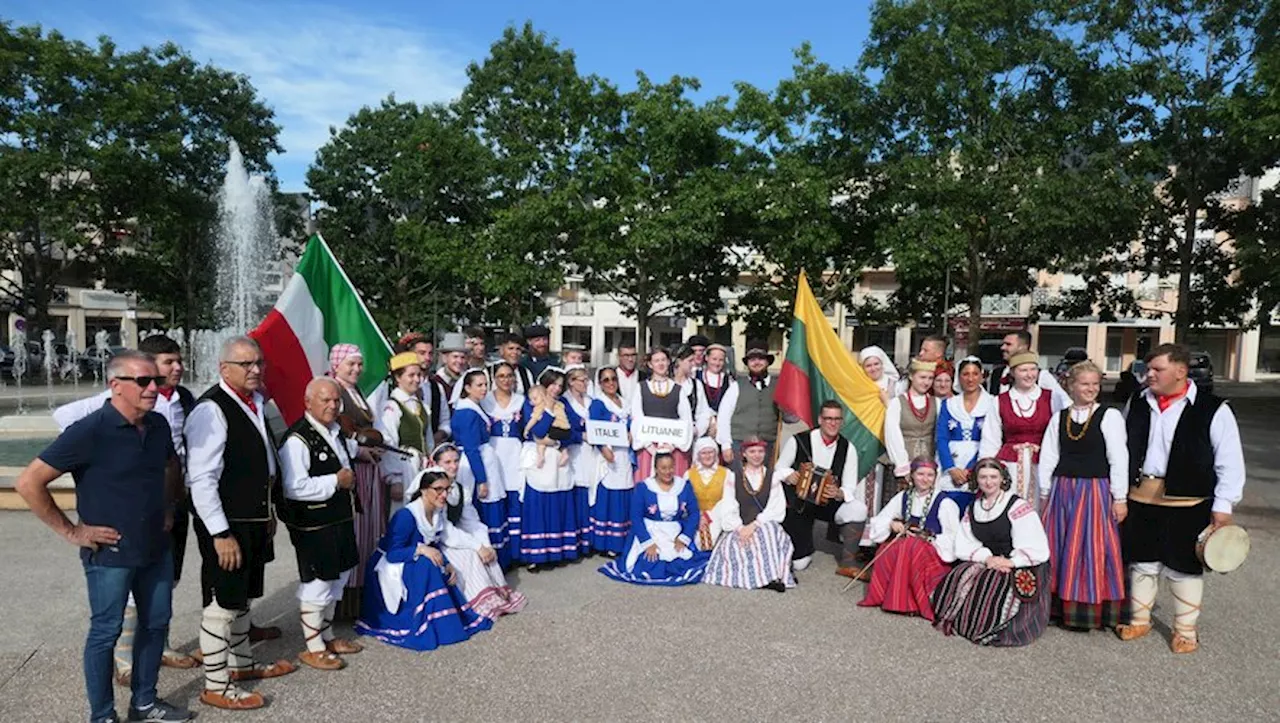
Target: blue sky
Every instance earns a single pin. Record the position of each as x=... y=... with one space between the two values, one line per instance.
x=317 y=62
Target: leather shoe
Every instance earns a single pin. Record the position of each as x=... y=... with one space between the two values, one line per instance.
x=174 y=659
x=1132 y=632
x=262 y=672
x=257 y=634
x=124 y=678
x=849 y=572
x=343 y=646
x=1183 y=644
x=323 y=660
x=233 y=699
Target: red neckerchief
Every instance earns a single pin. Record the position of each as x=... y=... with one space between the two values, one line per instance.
x=628 y=373
x=1164 y=402
x=247 y=399
x=830 y=442
x=167 y=392
x=759 y=381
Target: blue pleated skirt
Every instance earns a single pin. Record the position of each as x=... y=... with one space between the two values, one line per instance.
x=611 y=520
x=548 y=526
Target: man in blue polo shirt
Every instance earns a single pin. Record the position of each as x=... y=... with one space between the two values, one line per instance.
x=128 y=484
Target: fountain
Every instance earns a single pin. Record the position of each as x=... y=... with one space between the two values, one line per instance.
x=50 y=362
x=73 y=360
x=19 y=365
x=247 y=243
x=100 y=350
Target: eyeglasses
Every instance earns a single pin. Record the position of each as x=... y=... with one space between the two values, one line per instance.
x=247 y=365
x=144 y=382
x=438 y=490
x=831 y=419
x=608 y=379
x=628 y=355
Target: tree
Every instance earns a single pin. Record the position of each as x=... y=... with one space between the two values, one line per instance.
x=646 y=204
x=403 y=192
x=529 y=105
x=810 y=192
x=1002 y=154
x=1189 y=72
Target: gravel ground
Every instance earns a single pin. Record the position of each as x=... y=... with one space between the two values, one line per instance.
x=587 y=647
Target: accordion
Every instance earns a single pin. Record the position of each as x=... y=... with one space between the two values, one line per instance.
x=813 y=484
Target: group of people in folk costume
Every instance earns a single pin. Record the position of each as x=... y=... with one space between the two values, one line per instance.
x=1035 y=504
x=988 y=514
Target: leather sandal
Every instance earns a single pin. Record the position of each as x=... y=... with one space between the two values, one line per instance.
x=262 y=672
x=124 y=678
x=321 y=660
x=198 y=656
x=174 y=659
x=343 y=646
x=1182 y=644
x=233 y=699
x=1132 y=632
x=849 y=572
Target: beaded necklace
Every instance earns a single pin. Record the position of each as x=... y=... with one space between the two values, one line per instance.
x=921 y=415
x=1083 y=428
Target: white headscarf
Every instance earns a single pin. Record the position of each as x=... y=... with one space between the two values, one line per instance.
x=889 y=379
x=705 y=443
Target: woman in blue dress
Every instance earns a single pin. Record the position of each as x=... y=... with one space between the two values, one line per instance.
x=664 y=523
x=549 y=518
x=411 y=598
x=960 y=430
x=479 y=466
x=611 y=508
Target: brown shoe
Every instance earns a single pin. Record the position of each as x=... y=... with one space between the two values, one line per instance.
x=233 y=699
x=257 y=634
x=262 y=672
x=174 y=659
x=1132 y=632
x=343 y=646
x=124 y=678
x=321 y=660
x=198 y=656
x=1183 y=644
x=850 y=572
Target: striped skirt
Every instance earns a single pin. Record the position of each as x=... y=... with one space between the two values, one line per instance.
x=764 y=558
x=582 y=516
x=514 y=512
x=904 y=578
x=991 y=607
x=549 y=526
x=372 y=523
x=494 y=516
x=1088 y=574
x=611 y=520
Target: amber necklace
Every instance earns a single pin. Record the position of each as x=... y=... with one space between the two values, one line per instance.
x=922 y=414
x=665 y=383
x=1083 y=428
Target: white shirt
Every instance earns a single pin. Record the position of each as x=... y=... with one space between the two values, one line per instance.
x=1047 y=380
x=895 y=444
x=993 y=426
x=823 y=456
x=703 y=413
x=295 y=463
x=728 y=405
x=879 y=527
x=171 y=409
x=628 y=385
x=775 y=510
x=398 y=469
x=1113 y=434
x=206 y=431
x=1224 y=436
x=1030 y=544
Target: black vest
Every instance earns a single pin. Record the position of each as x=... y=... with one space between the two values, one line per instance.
x=246 y=486
x=186 y=399
x=1086 y=457
x=751 y=505
x=1190 y=470
x=804 y=453
x=312 y=515
x=995 y=535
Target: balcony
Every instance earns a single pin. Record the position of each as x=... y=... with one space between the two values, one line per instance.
x=579 y=307
x=1008 y=305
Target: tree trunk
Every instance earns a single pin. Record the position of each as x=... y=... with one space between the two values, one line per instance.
x=976 y=285
x=642 y=326
x=1186 y=252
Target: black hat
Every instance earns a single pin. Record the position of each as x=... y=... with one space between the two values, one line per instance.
x=758 y=349
x=536 y=330
x=698 y=340
x=681 y=351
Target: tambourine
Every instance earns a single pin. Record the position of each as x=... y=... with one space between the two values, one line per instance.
x=1222 y=549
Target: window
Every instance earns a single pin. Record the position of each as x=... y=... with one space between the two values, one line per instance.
x=1115 y=345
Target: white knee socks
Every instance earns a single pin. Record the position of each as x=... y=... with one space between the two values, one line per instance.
x=241 y=657
x=313 y=626
x=329 y=609
x=1142 y=595
x=215 y=643
x=1188 y=594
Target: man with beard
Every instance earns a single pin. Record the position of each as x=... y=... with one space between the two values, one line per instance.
x=747 y=408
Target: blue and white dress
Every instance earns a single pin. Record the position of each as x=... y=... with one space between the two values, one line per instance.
x=661 y=518
x=548 y=518
x=611 y=508
x=505 y=439
x=959 y=433
x=583 y=461
x=479 y=466
x=408 y=601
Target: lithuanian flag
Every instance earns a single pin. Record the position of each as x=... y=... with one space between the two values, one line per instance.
x=817 y=367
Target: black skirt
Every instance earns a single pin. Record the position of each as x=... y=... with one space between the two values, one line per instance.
x=235 y=588
x=1152 y=533
x=326 y=553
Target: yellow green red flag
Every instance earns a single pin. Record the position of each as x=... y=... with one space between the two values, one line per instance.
x=817 y=367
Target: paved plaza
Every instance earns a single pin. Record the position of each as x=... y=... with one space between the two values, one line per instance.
x=590 y=648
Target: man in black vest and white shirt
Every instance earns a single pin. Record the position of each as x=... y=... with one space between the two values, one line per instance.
x=232 y=473
x=1187 y=474
x=747 y=408
x=845 y=512
x=319 y=509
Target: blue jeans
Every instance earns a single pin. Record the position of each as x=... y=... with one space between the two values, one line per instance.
x=109 y=588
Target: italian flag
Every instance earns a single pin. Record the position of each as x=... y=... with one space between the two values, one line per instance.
x=817 y=367
x=319 y=308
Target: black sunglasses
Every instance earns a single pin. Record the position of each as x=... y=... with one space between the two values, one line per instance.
x=144 y=382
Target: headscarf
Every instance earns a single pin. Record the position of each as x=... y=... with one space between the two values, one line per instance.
x=339 y=353
x=705 y=443
x=890 y=377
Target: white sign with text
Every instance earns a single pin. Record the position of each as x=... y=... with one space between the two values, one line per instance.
x=662 y=431
x=609 y=434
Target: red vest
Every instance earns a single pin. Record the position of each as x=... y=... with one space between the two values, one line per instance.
x=1023 y=430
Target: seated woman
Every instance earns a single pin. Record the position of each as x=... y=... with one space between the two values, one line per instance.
x=754 y=552
x=998 y=594
x=664 y=522
x=410 y=597
x=711 y=483
x=924 y=523
x=471 y=553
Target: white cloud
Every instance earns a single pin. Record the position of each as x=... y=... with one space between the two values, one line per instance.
x=315 y=65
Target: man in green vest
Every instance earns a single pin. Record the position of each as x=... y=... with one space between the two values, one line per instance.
x=748 y=408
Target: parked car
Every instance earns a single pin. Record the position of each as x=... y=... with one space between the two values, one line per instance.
x=1201 y=371
x=1132 y=381
x=1072 y=357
